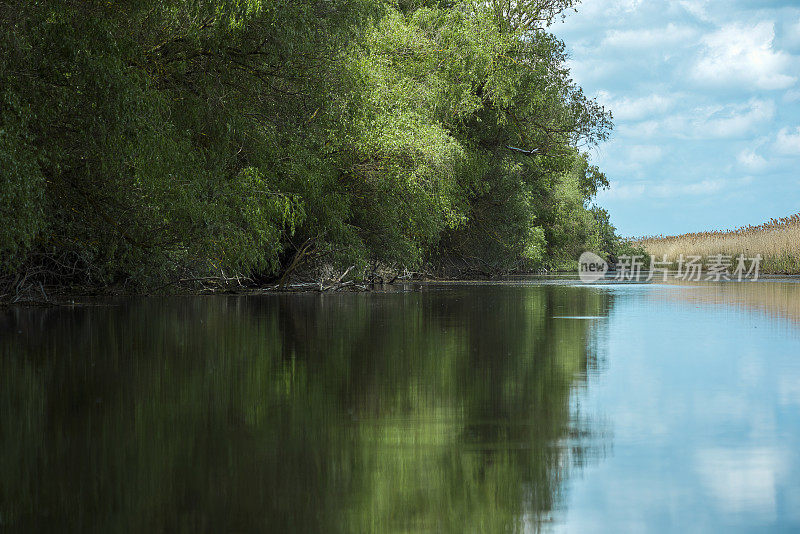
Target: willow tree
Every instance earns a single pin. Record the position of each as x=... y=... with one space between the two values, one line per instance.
x=145 y=141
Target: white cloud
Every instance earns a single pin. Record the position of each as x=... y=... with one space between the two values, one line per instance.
x=635 y=160
x=670 y=35
x=645 y=129
x=663 y=190
x=593 y=69
x=713 y=122
x=625 y=6
x=610 y=8
x=645 y=154
x=734 y=121
x=788 y=141
x=749 y=159
x=695 y=7
x=792 y=95
x=744 y=54
x=793 y=33
x=623 y=191
x=670 y=188
x=699 y=188
x=636 y=108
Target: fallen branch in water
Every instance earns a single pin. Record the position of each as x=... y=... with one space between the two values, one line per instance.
x=221 y=280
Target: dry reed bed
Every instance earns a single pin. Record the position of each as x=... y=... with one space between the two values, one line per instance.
x=778 y=242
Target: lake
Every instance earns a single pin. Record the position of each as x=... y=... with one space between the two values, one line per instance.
x=519 y=406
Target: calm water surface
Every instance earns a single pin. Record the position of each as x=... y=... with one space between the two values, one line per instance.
x=485 y=408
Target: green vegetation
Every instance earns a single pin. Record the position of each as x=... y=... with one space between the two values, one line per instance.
x=144 y=142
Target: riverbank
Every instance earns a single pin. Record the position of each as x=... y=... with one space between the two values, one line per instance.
x=40 y=295
x=315 y=277
x=777 y=241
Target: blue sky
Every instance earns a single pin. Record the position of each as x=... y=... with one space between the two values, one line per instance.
x=706 y=102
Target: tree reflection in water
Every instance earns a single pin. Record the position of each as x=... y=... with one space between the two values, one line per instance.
x=440 y=410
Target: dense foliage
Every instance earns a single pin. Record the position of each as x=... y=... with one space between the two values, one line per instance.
x=144 y=141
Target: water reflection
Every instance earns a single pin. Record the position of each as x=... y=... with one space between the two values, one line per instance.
x=443 y=410
x=776 y=298
x=702 y=389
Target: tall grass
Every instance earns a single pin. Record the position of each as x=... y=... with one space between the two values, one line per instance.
x=778 y=242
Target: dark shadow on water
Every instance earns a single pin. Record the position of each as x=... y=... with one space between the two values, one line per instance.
x=448 y=410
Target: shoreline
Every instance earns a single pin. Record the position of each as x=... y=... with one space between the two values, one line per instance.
x=66 y=298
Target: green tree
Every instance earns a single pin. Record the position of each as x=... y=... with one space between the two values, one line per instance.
x=146 y=142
